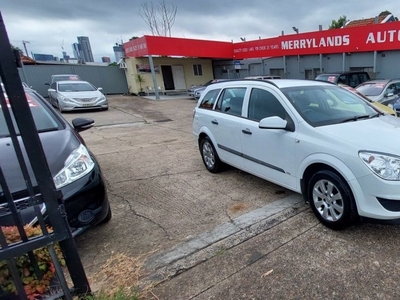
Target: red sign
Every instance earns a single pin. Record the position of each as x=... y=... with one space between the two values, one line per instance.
x=378 y=37
x=169 y=46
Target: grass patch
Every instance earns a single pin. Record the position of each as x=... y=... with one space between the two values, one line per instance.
x=119 y=279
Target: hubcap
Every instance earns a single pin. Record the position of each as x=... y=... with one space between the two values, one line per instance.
x=328 y=200
x=208 y=155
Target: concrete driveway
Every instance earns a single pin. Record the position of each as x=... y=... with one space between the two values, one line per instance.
x=219 y=236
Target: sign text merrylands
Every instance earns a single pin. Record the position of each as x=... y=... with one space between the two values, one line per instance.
x=333 y=41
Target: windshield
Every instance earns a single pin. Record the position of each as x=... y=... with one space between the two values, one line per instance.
x=44 y=119
x=75 y=87
x=371 y=89
x=327 y=105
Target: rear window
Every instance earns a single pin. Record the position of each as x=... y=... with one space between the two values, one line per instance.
x=43 y=117
x=327 y=77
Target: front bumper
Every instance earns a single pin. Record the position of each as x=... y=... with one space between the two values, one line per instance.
x=85 y=201
x=71 y=105
x=377 y=198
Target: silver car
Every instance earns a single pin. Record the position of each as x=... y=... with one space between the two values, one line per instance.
x=76 y=95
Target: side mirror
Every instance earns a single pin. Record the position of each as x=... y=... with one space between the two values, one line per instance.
x=81 y=124
x=389 y=94
x=99 y=88
x=51 y=90
x=272 y=123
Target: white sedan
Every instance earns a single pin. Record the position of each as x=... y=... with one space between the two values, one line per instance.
x=76 y=95
x=312 y=137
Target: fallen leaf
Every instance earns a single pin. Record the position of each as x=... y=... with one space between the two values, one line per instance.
x=267 y=273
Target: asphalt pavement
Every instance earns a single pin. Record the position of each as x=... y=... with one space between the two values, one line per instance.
x=218 y=236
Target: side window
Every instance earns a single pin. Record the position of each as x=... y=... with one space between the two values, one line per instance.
x=263 y=104
x=353 y=80
x=209 y=99
x=363 y=77
x=342 y=79
x=231 y=101
x=397 y=87
x=391 y=89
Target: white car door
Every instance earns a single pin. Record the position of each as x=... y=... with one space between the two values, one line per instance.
x=226 y=125
x=268 y=153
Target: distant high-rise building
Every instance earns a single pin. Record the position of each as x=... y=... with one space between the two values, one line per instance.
x=118 y=52
x=86 y=49
x=76 y=48
x=105 y=59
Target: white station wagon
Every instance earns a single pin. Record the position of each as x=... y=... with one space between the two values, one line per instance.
x=312 y=137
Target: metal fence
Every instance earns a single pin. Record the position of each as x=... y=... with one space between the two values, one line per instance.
x=111 y=78
x=40 y=190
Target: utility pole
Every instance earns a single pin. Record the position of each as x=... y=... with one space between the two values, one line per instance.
x=26 y=50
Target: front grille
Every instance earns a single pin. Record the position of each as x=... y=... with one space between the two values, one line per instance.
x=85 y=99
x=20 y=204
x=391 y=205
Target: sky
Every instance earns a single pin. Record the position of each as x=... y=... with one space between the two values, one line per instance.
x=50 y=25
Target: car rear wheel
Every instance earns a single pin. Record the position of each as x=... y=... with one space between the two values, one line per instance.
x=331 y=200
x=210 y=156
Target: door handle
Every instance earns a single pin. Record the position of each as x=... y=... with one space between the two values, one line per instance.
x=214 y=122
x=246 y=131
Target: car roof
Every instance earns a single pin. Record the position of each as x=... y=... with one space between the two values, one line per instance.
x=72 y=81
x=279 y=83
x=385 y=81
x=341 y=73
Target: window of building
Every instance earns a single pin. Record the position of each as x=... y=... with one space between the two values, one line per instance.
x=197 y=70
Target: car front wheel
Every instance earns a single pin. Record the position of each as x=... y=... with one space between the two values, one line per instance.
x=331 y=200
x=209 y=155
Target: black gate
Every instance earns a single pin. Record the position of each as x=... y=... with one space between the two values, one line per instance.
x=41 y=193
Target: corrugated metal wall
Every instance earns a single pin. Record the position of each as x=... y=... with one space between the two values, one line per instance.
x=111 y=79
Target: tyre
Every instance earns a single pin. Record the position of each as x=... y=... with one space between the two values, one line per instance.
x=331 y=200
x=210 y=156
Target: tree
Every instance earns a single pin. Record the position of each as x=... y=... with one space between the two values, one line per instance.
x=385 y=13
x=339 y=23
x=160 y=18
x=113 y=64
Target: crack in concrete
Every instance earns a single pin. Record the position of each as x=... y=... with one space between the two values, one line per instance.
x=140 y=215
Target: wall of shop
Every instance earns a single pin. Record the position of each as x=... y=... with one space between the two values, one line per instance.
x=308 y=66
x=141 y=65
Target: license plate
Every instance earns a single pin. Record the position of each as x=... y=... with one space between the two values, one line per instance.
x=87 y=104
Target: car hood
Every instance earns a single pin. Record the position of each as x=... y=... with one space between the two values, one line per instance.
x=57 y=146
x=377 y=134
x=78 y=95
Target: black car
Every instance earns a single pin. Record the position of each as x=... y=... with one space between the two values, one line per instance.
x=350 y=78
x=75 y=170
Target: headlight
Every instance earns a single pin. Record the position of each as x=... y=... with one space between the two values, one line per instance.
x=64 y=99
x=385 y=166
x=77 y=165
x=102 y=97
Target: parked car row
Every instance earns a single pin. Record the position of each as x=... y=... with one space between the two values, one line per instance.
x=312 y=137
x=382 y=92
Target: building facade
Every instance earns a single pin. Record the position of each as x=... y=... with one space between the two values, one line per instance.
x=118 y=52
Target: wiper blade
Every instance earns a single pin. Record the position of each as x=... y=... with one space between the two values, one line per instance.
x=356 y=118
